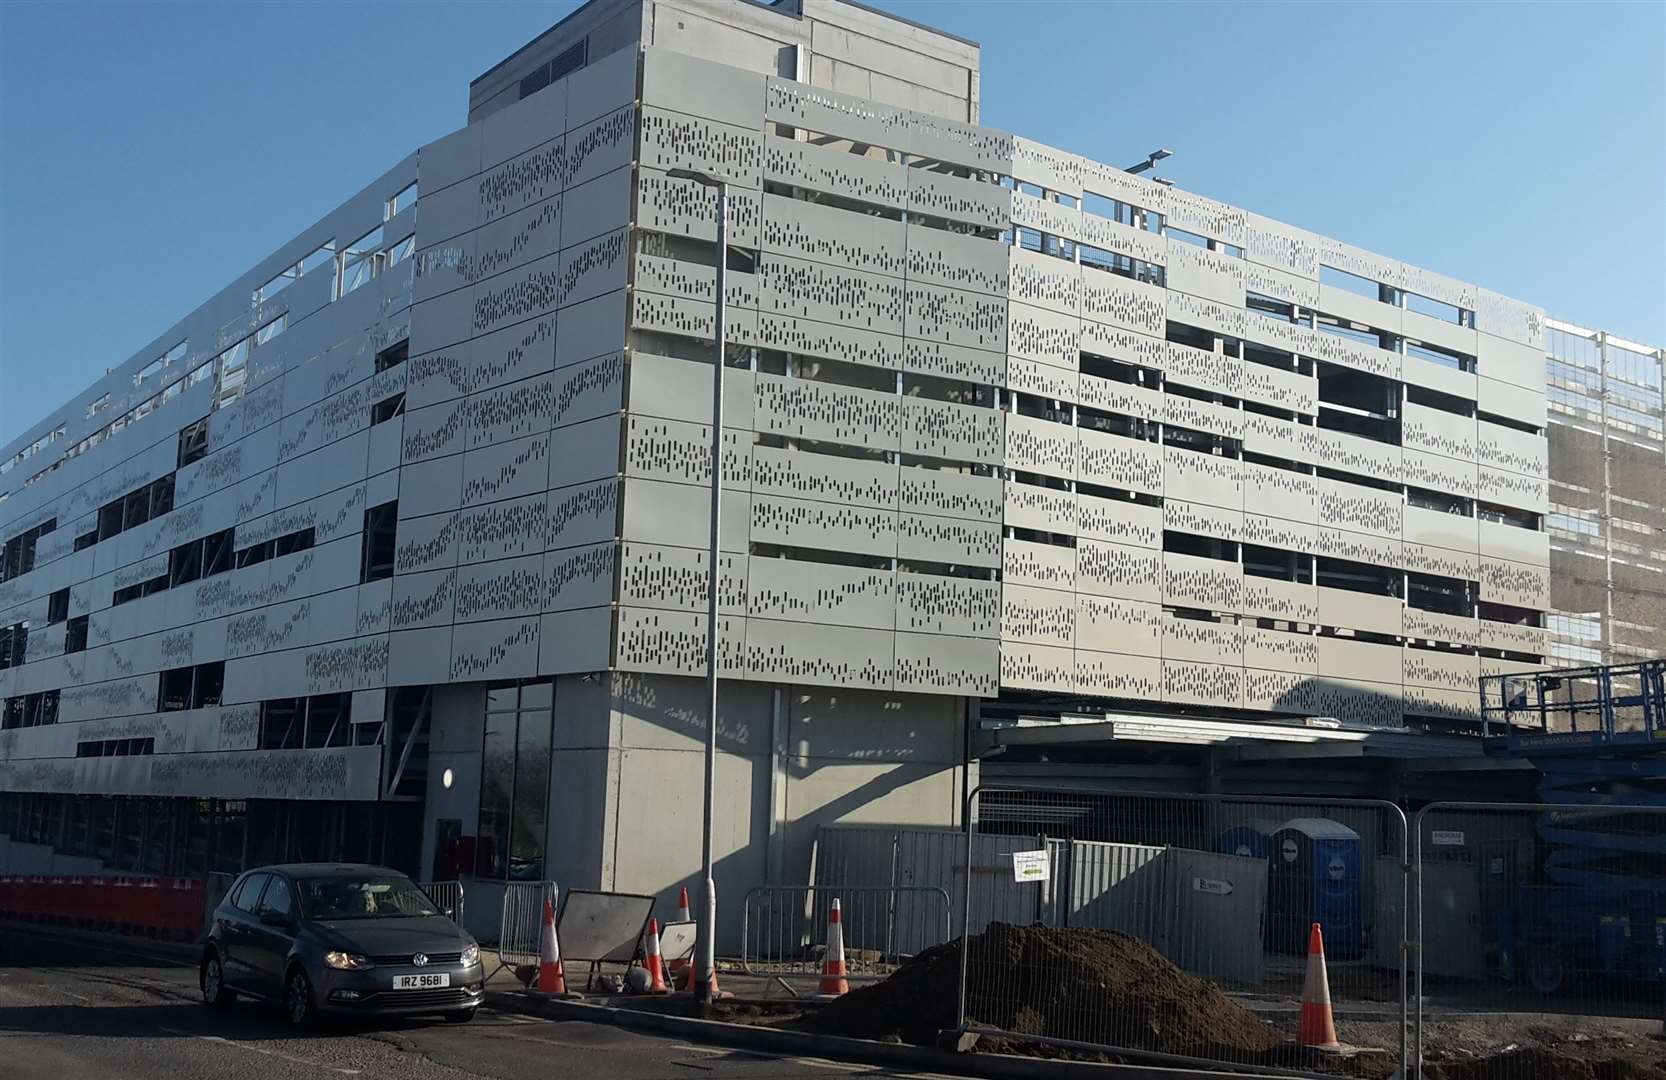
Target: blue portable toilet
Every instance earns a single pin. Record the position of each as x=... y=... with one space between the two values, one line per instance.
x=1252 y=840
x=1313 y=876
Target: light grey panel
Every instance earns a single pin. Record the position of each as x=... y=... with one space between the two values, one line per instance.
x=1115 y=461
x=1274 y=599
x=802 y=523
x=447 y=219
x=1289 y=390
x=447 y=160
x=1117 y=675
x=796 y=287
x=1051 y=337
x=1042 y=509
x=961 y=606
x=853 y=344
x=674 y=642
x=434 y=431
x=530 y=122
x=1202 y=641
x=1500 y=317
x=508 y=412
x=582 y=514
x=1027 y=562
x=957 y=198
x=1513 y=489
x=679 y=81
x=1359 y=508
x=681 y=390
x=1122 y=302
x=679 y=451
x=835 y=171
x=597 y=147
x=1208 y=274
x=1038 y=616
x=828 y=112
x=500 y=589
x=962 y=261
x=1440 y=473
x=441 y=323
x=830 y=234
x=512 y=469
x=1201 y=520
x=505 y=649
x=655 y=576
x=1053 y=169
x=685 y=208
x=948 y=540
x=1037 y=445
x=1508 y=448
x=937 y=664
x=950 y=494
x=574 y=577
x=802 y=408
x=800 y=591
x=946 y=429
x=1037 y=667
x=430 y=487
x=1273 y=243
x=1204 y=684
x=1045 y=215
x=1189 y=412
x=1194 y=582
x=677 y=141
x=578 y=452
x=1120 y=521
x=415 y=656
x=819 y=654
x=1220 y=318
x=590 y=328
x=680 y=514
x=1123 y=239
x=824 y=477
x=1273 y=650
x=1043 y=380
x=956 y=317
x=572 y=641
x=1123 y=345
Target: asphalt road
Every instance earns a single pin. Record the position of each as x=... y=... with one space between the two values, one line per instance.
x=71 y=1008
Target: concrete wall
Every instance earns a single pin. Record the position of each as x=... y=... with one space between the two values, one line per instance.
x=825 y=43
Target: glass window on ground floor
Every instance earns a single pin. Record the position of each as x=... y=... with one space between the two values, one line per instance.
x=514 y=782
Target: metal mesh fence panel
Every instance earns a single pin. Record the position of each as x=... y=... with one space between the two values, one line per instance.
x=1167 y=927
x=1543 y=931
x=784 y=928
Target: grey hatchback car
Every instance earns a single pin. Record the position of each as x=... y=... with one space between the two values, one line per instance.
x=333 y=938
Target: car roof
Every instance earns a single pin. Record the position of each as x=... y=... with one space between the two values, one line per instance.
x=326 y=870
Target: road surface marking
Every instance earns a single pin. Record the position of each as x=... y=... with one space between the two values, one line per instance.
x=259 y=1050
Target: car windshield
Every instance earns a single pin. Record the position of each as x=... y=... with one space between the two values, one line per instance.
x=363 y=898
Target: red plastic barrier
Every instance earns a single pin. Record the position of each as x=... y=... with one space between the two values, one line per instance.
x=138 y=904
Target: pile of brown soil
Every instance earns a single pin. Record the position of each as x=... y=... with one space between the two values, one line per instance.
x=1094 y=986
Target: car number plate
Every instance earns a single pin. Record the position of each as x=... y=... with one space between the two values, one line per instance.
x=421 y=982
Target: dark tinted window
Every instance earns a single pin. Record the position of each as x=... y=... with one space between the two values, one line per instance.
x=277 y=897
x=245 y=895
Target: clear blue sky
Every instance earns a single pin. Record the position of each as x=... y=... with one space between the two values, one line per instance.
x=151 y=152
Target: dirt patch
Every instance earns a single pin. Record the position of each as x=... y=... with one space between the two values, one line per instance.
x=1094 y=986
x=1592 y=1059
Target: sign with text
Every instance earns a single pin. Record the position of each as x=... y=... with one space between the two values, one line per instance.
x=1029 y=866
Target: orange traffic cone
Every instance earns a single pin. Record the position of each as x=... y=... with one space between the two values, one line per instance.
x=677 y=963
x=551 y=978
x=656 y=972
x=688 y=980
x=833 y=981
x=1318 y=1026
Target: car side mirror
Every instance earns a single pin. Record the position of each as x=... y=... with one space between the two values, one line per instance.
x=274 y=918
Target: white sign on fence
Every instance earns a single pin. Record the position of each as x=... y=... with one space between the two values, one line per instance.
x=1447 y=838
x=1029 y=865
x=1212 y=885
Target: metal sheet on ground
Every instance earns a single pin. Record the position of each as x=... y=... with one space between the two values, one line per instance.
x=602 y=925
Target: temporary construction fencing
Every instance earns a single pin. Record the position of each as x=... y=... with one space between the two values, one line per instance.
x=141 y=904
x=1551 y=912
x=447 y=896
x=521 y=922
x=1226 y=889
x=784 y=928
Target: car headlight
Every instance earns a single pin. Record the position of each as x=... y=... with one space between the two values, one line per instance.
x=347 y=961
x=471 y=955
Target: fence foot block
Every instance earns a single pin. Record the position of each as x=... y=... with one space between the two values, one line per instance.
x=957 y=1042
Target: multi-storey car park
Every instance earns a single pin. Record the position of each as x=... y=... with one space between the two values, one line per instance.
x=395 y=548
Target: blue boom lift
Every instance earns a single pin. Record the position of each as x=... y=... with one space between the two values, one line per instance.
x=1597 y=735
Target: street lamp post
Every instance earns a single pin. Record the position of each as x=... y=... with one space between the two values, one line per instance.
x=705 y=959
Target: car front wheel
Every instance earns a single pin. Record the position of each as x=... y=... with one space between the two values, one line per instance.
x=297 y=998
x=212 y=978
